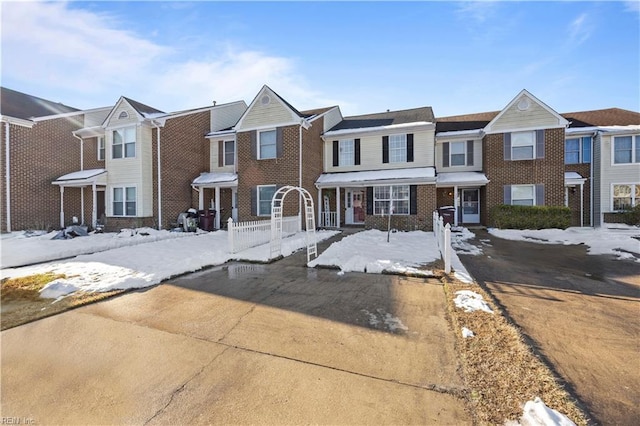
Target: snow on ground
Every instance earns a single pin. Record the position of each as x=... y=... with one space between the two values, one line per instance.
x=369 y=251
x=471 y=301
x=466 y=333
x=622 y=241
x=141 y=265
x=536 y=413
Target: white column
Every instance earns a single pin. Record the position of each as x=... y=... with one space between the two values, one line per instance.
x=581 y=204
x=82 y=205
x=455 y=205
x=61 y=206
x=320 y=204
x=234 y=204
x=94 y=207
x=201 y=199
x=338 y=207
x=217 y=207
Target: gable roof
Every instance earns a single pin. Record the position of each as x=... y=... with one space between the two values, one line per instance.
x=389 y=118
x=21 y=105
x=525 y=97
x=142 y=109
x=603 y=117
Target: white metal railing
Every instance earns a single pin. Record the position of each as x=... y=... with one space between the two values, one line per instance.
x=442 y=233
x=328 y=219
x=244 y=235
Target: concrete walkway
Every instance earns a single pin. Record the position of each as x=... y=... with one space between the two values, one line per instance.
x=244 y=343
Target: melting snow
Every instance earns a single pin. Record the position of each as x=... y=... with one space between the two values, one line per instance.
x=392 y=323
x=536 y=413
x=471 y=301
x=466 y=333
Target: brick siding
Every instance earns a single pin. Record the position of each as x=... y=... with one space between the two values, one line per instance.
x=574 y=195
x=427 y=199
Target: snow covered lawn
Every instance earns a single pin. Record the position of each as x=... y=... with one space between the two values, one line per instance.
x=622 y=241
x=369 y=251
x=139 y=264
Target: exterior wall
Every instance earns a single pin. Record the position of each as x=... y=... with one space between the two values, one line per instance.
x=38 y=156
x=371 y=152
x=477 y=157
x=312 y=159
x=226 y=116
x=261 y=115
x=614 y=173
x=331 y=118
x=184 y=155
x=427 y=200
x=574 y=195
x=535 y=116
x=548 y=171
x=115 y=122
x=214 y=157
x=597 y=180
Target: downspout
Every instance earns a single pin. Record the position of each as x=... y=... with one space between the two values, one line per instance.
x=300 y=169
x=159 y=177
x=591 y=189
x=8 y=175
x=81 y=149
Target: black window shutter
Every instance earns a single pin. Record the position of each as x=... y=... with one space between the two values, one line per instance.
x=253 y=136
x=540 y=195
x=356 y=148
x=539 y=143
x=507 y=194
x=507 y=146
x=370 y=200
x=220 y=153
x=279 y=139
x=254 y=201
x=410 y=148
x=385 y=149
x=469 y=153
x=335 y=154
x=413 y=199
x=445 y=154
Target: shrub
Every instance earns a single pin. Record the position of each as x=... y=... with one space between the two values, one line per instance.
x=530 y=217
x=632 y=215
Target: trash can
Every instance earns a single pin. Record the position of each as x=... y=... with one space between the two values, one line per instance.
x=206 y=220
x=447 y=213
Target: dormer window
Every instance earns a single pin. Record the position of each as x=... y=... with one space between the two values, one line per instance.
x=123 y=115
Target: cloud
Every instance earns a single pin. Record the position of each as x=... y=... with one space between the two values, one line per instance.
x=83 y=58
x=477 y=11
x=580 y=29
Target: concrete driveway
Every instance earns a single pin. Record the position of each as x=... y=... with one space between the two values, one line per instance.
x=582 y=313
x=268 y=344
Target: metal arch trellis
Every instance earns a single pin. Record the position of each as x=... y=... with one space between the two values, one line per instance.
x=276 y=221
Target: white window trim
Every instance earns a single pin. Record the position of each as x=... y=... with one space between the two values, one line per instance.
x=124 y=207
x=258 y=213
x=353 y=152
x=391 y=160
x=259 y=133
x=533 y=191
x=534 y=143
x=391 y=192
x=135 y=131
x=103 y=149
x=224 y=152
x=635 y=139
x=464 y=151
x=634 y=201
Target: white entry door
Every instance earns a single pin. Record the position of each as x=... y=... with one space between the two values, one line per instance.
x=470 y=206
x=354 y=212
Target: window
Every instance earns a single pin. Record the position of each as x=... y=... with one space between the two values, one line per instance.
x=522 y=145
x=347 y=152
x=267 y=144
x=229 y=153
x=397 y=148
x=396 y=196
x=124 y=143
x=124 y=201
x=265 y=194
x=577 y=150
x=523 y=195
x=625 y=151
x=458 y=151
x=101 y=149
x=625 y=196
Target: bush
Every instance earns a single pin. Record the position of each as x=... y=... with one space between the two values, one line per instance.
x=632 y=216
x=530 y=217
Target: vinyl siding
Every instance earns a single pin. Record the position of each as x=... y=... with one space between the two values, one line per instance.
x=226 y=116
x=331 y=118
x=477 y=158
x=213 y=155
x=115 y=122
x=274 y=113
x=371 y=153
x=535 y=116
x=614 y=173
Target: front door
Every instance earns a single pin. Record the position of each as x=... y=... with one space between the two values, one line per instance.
x=470 y=206
x=354 y=212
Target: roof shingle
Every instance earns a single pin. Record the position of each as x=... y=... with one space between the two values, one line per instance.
x=20 y=105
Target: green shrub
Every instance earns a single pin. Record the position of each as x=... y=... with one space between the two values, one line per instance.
x=530 y=217
x=632 y=215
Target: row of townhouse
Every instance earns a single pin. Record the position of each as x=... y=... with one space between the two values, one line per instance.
x=131 y=165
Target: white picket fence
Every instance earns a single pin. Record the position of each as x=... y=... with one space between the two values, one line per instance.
x=443 y=238
x=244 y=235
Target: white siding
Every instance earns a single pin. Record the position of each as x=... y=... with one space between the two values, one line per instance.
x=145 y=195
x=614 y=173
x=536 y=116
x=213 y=164
x=331 y=118
x=114 y=121
x=226 y=116
x=371 y=153
x=477 y=158
x=260 y=115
